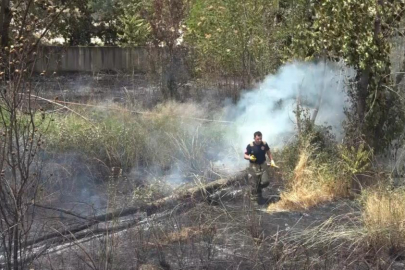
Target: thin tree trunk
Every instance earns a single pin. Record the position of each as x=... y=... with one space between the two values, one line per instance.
x=364 y=76
x=363 y=79
x=319 y=102
x=16 y=247
x=5 y=19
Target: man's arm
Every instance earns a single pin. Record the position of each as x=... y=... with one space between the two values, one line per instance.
x=269 y=155
x=247 y=156
x=271 y=163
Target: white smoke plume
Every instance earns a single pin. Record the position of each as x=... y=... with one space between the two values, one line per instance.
x=270 y=107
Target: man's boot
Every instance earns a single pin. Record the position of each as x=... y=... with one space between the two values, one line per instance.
x=260 y=199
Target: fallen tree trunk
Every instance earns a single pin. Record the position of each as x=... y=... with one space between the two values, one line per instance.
x=97 y=232
x=74 y=239
x=189 y=197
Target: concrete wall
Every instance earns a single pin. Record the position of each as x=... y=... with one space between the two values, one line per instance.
x=92 y=59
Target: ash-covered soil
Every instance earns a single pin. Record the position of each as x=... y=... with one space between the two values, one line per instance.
x=100 y=87
x=225 y=231
x=137 y=90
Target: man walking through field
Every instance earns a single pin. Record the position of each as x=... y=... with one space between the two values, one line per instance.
x=258 y=168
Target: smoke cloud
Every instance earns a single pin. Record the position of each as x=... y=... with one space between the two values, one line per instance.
x=270 y=107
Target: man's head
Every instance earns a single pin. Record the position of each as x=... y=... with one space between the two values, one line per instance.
x=257 y=137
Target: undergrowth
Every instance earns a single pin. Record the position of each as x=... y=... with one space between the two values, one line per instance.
x=165 y=139
x=384 y=219
x=317 y=169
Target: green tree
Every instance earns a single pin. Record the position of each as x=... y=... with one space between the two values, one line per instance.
x=134 y=28
x=76 y=24
x=234 y=37
x=158 y=23
x=105 y=14
x=358 y=32
x=87 y=19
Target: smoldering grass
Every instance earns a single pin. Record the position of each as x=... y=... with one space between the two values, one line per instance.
x=120 y=138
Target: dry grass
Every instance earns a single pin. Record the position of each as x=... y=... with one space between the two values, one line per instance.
x=378 y=230
x=186 y=234
x=384 y=218
x=300 y=200
x=312 y=183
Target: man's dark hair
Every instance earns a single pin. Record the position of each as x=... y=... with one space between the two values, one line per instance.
x=257 y=133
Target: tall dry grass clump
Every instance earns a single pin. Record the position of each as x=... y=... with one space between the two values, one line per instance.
x=384 y=219
x=320 y=172
x=312 y=183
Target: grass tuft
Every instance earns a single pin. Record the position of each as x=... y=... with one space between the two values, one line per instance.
x=384 y=219
x=310 y=186
x=319 y=176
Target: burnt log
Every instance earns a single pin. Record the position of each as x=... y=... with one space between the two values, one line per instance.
x=188 y=198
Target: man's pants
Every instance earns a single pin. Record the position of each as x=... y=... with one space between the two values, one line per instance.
x=258 y=177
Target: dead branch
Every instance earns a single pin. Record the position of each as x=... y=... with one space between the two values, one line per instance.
x=61 y=211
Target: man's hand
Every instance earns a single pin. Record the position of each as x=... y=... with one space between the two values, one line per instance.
x=272 y=164
x=252 y=158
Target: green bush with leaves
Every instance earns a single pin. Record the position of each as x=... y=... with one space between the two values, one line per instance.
x=355 y=159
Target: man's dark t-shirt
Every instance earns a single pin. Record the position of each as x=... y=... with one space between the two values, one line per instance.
x=259 y=151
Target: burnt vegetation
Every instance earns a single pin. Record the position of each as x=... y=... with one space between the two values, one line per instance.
x=119 y=169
